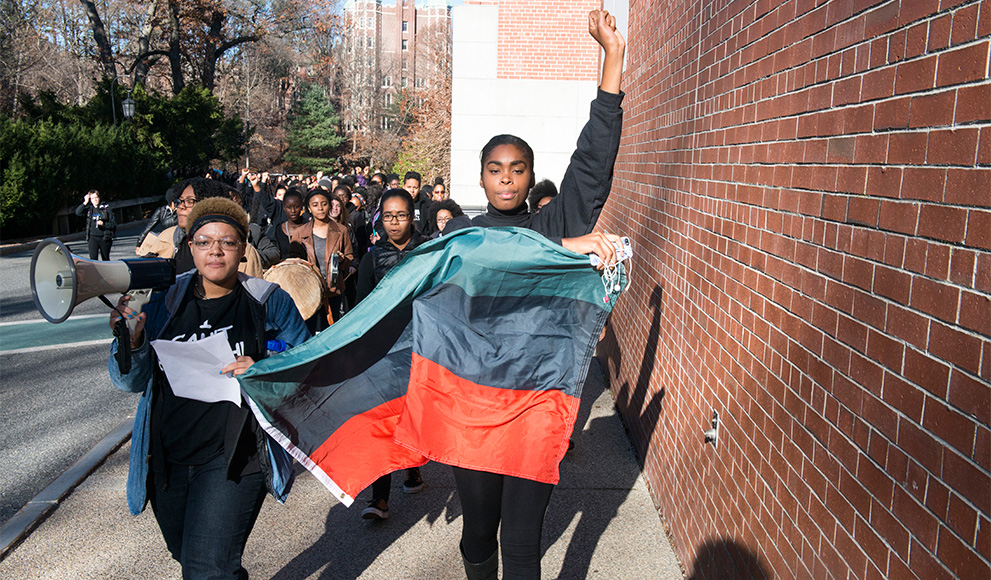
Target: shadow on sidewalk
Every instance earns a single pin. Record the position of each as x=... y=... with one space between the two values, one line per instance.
x=727 y=559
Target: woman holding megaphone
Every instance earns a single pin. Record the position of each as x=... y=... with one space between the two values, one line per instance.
x=205 y=466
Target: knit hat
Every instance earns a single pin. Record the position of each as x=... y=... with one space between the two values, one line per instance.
x=218 y=209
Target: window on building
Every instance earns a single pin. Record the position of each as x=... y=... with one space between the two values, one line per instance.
x=386 y=81
x=386 y=123
x=420 y=83
x=404 y=64
x=405 y=26
x=403 y=84
x=405 y=44
x=368 y=42
x=388 y=99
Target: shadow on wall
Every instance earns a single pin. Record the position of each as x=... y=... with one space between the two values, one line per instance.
x=630 y=400
x=726 y=559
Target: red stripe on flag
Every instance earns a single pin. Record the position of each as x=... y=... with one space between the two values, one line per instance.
x=513 y=432
x=361 y=450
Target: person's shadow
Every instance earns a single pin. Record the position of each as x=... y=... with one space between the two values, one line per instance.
x=594 y=461
x=349 y=544
x=727 y=559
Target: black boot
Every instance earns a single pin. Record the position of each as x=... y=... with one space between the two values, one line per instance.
x=487 y=570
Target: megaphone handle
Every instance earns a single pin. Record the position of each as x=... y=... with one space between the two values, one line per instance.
x=138 y=299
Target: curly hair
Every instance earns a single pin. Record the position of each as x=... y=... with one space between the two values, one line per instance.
x=218 y=209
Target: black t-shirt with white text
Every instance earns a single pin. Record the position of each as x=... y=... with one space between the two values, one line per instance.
x=192 y=432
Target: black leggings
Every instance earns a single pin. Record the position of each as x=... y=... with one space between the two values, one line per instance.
x=487 y=498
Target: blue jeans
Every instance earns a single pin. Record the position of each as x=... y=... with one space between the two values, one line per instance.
x=205 y=519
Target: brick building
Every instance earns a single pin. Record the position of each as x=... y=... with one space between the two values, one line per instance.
x=387 y=49
x=808 y=189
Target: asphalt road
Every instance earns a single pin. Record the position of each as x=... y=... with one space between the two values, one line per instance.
x=56 y=400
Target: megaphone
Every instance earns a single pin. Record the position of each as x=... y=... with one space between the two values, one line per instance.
x=61 y=280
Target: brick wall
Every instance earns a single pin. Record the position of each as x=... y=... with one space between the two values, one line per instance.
x=808 y=188
x=545 y=40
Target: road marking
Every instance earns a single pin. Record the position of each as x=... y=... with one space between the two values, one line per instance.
x=106 y=341
x=80 y=317
x=29 y=336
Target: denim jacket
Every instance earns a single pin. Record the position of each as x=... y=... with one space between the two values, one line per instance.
x=282 y=322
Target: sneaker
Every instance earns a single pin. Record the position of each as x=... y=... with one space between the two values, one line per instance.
x=413 y=483
x=377 y=509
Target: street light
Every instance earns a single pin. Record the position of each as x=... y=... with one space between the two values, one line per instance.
x=127 y=105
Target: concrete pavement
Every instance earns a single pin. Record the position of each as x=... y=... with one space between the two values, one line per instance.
x=601 y=524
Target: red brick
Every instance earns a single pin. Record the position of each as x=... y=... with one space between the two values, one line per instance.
x=979 y=229
x=908 y=325
x=899 y=216
x=917 y=75
x=851 y=179
x=878 y=83
x=932 y=110
x=892 y=284
x=921 y=446
x=914 y=516
x=984 y=147
x=961 y=517
x=883 y=349
x=925 y=183
x=935 y=298
x=962 y=476
x=961 y=558
x=958 y=66
x=952 y=147
x=927 y=372
x=938 y=262
x=892 y=114
x=956 y=346
x=943 y=223
x=971 y=396
x=925 y=565
x=968 y=186
x=982 y=273
x=962 y=273
x=975 y=310
x=965 y=24
x=902 y=396
x=884 y=181
x=939 y=32
x=973 y=104
x=916 y=254
x=950 y=426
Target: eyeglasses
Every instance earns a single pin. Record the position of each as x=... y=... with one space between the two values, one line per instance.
x=443 y=220
x=186 y=202
x=227 y=244
x=395 y=217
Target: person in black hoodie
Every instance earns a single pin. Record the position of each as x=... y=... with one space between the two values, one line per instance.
x=489 y=500
x=401 y=237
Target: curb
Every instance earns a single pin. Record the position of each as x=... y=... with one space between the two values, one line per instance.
x=42 y=505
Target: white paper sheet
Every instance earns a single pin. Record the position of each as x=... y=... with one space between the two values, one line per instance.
x=193 y=368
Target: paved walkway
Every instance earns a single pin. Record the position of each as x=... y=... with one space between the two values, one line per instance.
x=601 y=524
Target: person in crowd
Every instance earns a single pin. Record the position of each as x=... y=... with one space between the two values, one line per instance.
x=439 y=192
x=392 y=181
x=379 y=178
x=421 y=200
x=401 y=237
x=326 y=244
x=295 y=216
x=358 y=217
x=492 y=501
x=100 y=225
x=161 y=219
x=441 y=212
x=541 y=194
x=205 y=467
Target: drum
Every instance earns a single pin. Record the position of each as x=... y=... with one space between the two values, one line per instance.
x=302 y=281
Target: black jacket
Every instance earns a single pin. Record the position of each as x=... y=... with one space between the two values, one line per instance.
x=93 y=214
x=381 y=258
x=586 y=183
x=163 y=218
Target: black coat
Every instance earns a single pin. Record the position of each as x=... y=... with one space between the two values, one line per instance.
x=381 y=258
x=94 y=214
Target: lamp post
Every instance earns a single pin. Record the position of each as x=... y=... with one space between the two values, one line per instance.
x=127 y=105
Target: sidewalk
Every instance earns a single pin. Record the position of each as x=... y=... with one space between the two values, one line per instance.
x=601 y=524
